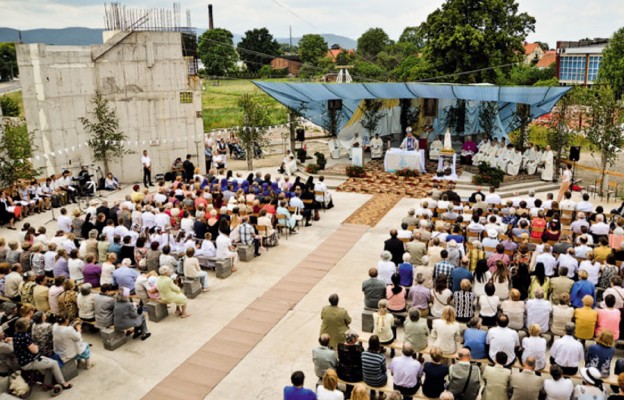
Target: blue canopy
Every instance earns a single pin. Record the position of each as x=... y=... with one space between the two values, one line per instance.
x=310 y=99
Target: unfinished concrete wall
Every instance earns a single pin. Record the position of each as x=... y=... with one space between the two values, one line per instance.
x=142 y=75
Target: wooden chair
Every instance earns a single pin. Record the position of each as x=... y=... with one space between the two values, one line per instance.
x=473 y=235
x=411 y=227
x=405 y=240
x=509 y=253
x=595 y=188
x=321 y=194
x=267 y=240
x=489 y=249
x=612 y=190
x=281 y=227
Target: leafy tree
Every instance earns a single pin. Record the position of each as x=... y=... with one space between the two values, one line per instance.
x=367 y=69
x=254 y=119
x=467 y=35
x=106 y=140
x=312 y=47
x=286 y=48
x=413 y=35
x=525 y=75
x=16 y=150
x=559 y=134
x=411 y=69
x=257 y=48
x=520 y=123
x=216 y=50
x=372 y=115
x=612 y=65
x=9 y=106
x=456 y=117
x=331 y=120
x=372 y=42
x=604 y=131
x=8 y=62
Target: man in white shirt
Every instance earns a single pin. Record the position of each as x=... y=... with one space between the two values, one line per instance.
x=492 y=197
x=567 y=352
x=558 y=387
x=502 y=338
x=567 y=260
x=538 y=311
x=148 y=217
x=548 y=260
x=580 y=221
x=146 y=162
x=567 y=204
x=64 y=221
x=585 y=205
x=582 y=250
x=530 y=200
x=160 y=197
x=162 y=220
x=547 y=204
x=599 y=228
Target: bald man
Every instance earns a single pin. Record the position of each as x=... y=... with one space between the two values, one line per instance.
x=461 y=372
x=406 y=372
x=323 y=356
x=395 y=247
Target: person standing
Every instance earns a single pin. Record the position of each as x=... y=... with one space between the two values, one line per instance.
x=336 y=321
x=189 y=168
x=147 y=169
x=548 y=160
x=208 y=143
x=566 y=181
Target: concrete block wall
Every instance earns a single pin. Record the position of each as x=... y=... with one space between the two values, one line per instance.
x=141 y=75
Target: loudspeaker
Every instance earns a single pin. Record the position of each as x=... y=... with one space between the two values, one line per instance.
x=334 y=105
x=300 y=134
x=575 y=153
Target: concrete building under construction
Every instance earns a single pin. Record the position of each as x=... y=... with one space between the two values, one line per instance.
x=146 y=68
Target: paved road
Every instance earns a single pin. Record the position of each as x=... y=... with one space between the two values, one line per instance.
x=6 y=87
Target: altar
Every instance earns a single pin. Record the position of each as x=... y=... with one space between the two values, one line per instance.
x=398 y=159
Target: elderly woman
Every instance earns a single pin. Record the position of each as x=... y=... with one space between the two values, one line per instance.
x=591 y=386
x=445 y=332
x=599 y=355
x=514 y=308
x=42 y=333
x=68 y=344
x=349 y=366
x=170 y=292
x=585 y=319
x=464 y=300
x=152 y=257
x=125 y=316
x=385 y=267
x=534 y=346
x=68 y=300
x=192 y=270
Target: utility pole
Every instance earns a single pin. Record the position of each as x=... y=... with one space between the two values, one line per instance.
x=290 y=33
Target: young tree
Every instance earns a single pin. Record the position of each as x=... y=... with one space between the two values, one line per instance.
x=311 y=48
x=16 y=150
x=559 y=134
x=372 y=42
x=257 y=48
x=331 y=120
x=468 y=35
x=604 y=130
x=217 y=52
x=487 y=117
x=612 y=65
x=8 y=61
x=106 y=141
x=372 y=115
x=254 y=119
x=9 y=106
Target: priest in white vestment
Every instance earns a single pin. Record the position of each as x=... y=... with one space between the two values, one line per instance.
x=513 y=167
x=548 y=160
x=356 y=142
x=484 y=142
x=527 y=155
x=534 y=161
x=484 y=153
x=504 y=158
x=376 y=146
x=493 y=154
x=334 y=148
x=410 y=143
x=435 y=148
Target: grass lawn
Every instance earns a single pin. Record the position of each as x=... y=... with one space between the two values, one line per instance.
x=221 y=111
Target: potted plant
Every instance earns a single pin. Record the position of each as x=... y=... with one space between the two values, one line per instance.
x=355 y=171
x=488 y=175
x=321 y=161
x=312 y=168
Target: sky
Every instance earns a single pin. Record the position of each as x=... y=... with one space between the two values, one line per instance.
x=556 y=19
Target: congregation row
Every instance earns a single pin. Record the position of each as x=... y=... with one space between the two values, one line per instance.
x=100 y=269
x=527 y=287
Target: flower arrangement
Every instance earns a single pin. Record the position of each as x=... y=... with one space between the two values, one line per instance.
x=355 y=171
x=406 y=172
x=488 y=175
x=312 y=168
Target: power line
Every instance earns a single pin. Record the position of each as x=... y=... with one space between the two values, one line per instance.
x=295 y=14
x=468 y=72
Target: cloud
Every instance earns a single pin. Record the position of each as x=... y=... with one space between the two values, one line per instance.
x=556 y=20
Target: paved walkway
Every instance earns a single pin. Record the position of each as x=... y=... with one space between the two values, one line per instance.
x=203 y=370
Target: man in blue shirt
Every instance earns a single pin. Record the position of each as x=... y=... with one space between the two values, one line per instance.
x=460 y=273
x=297 y=391
x=475 y=339
x=124 y=276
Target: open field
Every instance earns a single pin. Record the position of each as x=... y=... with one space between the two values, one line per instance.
x=219 y=103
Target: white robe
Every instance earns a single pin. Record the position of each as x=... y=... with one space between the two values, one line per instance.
x=513 y=167
x=412 y=147
x=376 y=145
x=527 y=156
x=434 y=149
x=548 y=159
x=503 y=159
x=334 y=149
x=533 y=162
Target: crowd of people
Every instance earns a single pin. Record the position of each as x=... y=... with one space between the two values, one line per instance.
x=515 y=299
x=101 y=267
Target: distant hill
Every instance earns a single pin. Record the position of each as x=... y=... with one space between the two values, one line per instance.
x=86 y=36
x=65 y=36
